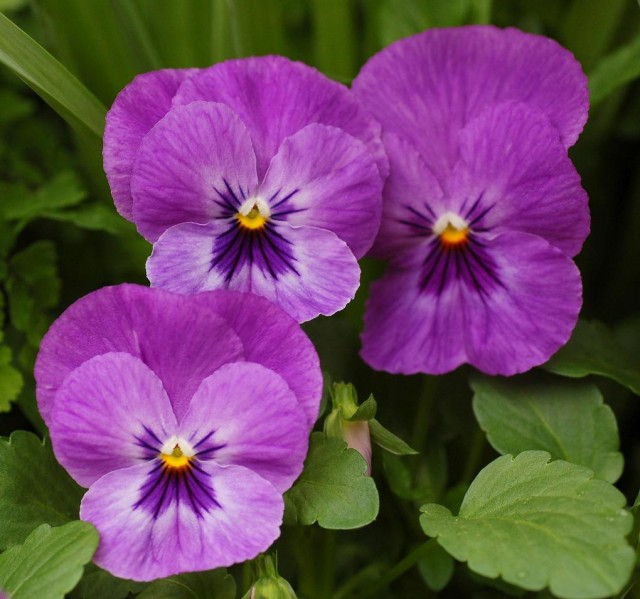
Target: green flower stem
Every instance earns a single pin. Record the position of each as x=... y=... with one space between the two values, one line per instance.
x=475 y=454
x=399 y=569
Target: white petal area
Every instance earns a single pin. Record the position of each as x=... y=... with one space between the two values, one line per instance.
x=138 y=546
x=305 y=270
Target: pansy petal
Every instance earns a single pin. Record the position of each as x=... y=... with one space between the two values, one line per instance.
x=532 y=315
x=196 y=164
x=245 y=414
x=304 y=270
x=504 y=309
x=272 y=338
x=110 y=413
x=323 y=177
x=407 y=331
x=427 y=87
x=136 y=109
x=413 y=199
x=140 y=542
x=276 y=97
x=511 y=158
x=181 y=341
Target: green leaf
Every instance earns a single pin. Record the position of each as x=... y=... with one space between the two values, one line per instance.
x=215 y=584
x=94 y=217
x=332 y=489
x=49 y=563
x=615 y=70
x=387 y=440
x=566 y=418
x=99 y=584
x=49 y=79
x=366 y=410
x=34 y=488
x=10 y=379
x=33 y=287
x=593 y=349
x=537 y=523
x=436 y=568
x=19 y=203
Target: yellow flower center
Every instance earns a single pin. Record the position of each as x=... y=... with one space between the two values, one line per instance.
x=254 y=213
x=452 y=229
x=177 y=459
x=253 y=220
x=451 y=236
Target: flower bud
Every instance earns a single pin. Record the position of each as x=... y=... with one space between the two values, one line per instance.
x=269 y=584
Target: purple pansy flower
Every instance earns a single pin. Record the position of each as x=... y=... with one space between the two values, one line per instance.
x=483 y=210
x=184 y=419
x=257 y=174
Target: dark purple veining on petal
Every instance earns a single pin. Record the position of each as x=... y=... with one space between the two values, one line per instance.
x=467 y=262
x=266 y=247
x=188 y=485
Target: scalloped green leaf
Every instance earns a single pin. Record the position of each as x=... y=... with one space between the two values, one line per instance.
x=537 y=523
x=10 y=379
x=49 y=563
x=593 y=349
x=333 y=489
x=34 y=488
x=566 y=418
x=214 y=584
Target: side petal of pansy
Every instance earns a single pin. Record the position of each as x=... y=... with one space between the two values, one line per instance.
x=304 y=270
x=515 y=173
x=110 y=413
x=274 y=339
x=195 y=165
x=154 y=525
x=443 y=78
x=413 y=199
x=502 y=304
x=245 y=415
x=180 y=340
x=323 y=177
x=136 y=109
x=275 y=97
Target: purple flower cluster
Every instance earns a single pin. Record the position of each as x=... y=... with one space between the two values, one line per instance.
x=483 y=210
x=257 y=175
x=186 y=410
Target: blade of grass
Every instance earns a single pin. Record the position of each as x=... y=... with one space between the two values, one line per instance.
x=615 y=70
x=334 y=38
x=49 y=79
x=131 y=19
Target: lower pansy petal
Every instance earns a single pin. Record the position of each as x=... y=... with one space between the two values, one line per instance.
x=304 y=270
x=110 y=413
x=245 y=414
x=531 y=315
x=221 y=516
x=323 y=177
x=407 y=331
x=502 y=304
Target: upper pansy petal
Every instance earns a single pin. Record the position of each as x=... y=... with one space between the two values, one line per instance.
x=245 y=414
x=517 y=174
x=136 y=109
x=304 y=270
x=323 y=177
x=110 y=413
x=413 y=199
x=274 y=339
x=427 y=87
x=180 y=340
x=504 y=307
x=276 y=97
x=197 y=163
x=139 y=542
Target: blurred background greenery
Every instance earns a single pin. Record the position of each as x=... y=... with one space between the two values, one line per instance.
x=60 y=236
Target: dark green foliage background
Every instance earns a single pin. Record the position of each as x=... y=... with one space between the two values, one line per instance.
x=61 y=238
